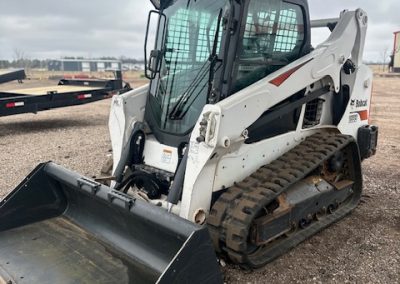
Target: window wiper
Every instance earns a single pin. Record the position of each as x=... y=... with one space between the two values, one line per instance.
x=179 y=111
x=214 y=56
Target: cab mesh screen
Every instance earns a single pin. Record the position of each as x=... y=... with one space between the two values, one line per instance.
x=189 y=43
x=272 y=28
x=273 y=37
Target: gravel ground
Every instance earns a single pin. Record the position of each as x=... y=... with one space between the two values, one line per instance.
x=362 y=248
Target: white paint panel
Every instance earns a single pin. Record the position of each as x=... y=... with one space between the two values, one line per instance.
x=362 y=90
x=125 y=110
x=160 y=156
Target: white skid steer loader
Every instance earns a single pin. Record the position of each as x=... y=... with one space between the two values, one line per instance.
x=246 y=141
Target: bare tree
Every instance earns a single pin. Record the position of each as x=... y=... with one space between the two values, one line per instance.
x=18 y=54
x=384 y=54
x=20 y=59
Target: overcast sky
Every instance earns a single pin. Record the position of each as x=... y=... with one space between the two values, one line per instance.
x=51 y=29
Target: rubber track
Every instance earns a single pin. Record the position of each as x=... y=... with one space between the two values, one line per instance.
x=231 y=216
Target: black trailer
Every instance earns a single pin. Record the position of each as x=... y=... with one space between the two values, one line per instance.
x=66 y=93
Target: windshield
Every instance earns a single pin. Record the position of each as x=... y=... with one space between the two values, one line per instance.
x=180 y=91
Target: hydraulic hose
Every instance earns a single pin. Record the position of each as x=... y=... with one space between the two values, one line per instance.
x=176 y=190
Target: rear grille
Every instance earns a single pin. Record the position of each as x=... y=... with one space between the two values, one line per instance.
x=312 y=116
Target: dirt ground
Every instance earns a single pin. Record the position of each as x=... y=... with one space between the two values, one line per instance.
x=362 y=248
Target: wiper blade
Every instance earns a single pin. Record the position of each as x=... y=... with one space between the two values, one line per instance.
x=214 y=57
x=179 y=111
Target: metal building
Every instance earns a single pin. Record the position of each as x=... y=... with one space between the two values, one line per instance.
x=395 y=60
x=83 y=65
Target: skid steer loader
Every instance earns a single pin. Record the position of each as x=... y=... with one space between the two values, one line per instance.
x=246 y=141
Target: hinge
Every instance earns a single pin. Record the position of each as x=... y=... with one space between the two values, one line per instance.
x=93 y=185
x=128 y=201
x=233 y=26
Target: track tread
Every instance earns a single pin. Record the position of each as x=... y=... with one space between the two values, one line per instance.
x=237 y=208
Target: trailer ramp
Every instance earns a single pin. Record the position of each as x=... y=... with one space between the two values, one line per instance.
x=12 y=75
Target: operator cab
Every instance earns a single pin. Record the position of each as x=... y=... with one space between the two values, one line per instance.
x=193 y=62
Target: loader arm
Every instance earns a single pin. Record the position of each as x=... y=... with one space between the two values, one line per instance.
x=324 y=64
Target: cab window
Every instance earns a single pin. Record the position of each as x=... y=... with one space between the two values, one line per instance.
x=273 y=37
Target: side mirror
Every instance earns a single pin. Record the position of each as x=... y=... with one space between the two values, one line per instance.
x=153 y=61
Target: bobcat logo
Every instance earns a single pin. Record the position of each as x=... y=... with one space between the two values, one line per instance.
x=359 y=103
x=362 y=103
